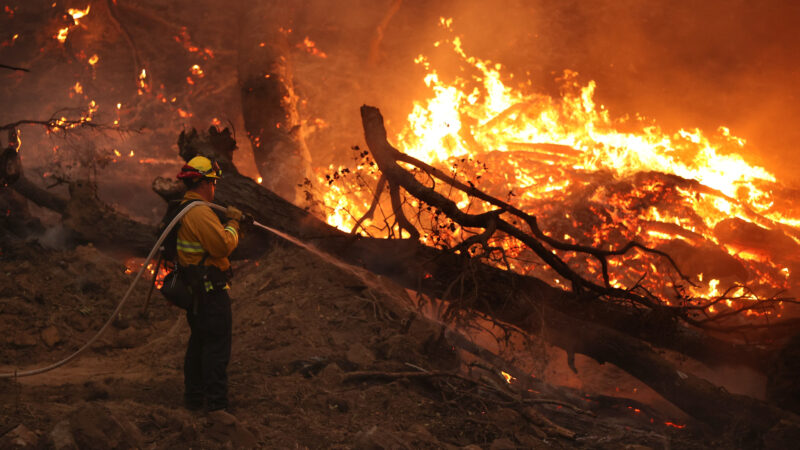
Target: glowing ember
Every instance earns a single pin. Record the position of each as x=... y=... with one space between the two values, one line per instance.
x=133 y=265
x=143 y=85
x=61 y=36
x=93 y=60
x=10 y=42
x=77 y=14
x=311 y=48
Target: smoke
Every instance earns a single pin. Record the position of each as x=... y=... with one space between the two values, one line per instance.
x=684 y=64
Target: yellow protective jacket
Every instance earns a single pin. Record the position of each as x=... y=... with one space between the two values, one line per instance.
x=201 y=232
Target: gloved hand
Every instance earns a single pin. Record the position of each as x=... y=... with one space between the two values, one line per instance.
x=233 y=213
x=247 y=220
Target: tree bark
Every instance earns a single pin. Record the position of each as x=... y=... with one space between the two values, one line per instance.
x=269 y=101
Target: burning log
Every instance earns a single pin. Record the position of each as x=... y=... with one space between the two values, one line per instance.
x=758 y=241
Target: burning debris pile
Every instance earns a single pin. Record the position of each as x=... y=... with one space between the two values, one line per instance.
x=721 y=233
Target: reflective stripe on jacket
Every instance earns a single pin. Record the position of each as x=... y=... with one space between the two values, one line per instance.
x=201 y=232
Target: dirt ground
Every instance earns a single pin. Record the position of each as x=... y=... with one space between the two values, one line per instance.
x=316 y=354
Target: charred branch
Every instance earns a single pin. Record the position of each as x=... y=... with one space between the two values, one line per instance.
x=375 y=202
x=113 y=13
x=20 y=69
x=52 y=124
x=387 y=157
x=375 y=45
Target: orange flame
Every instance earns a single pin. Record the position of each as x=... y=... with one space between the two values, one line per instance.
x=76 y=15
x=311 y=48
x=541 y=148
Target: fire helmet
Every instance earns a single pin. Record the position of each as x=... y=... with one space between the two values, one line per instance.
x=200 y=167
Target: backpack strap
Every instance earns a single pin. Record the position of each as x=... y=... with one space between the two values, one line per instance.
x=167 y=248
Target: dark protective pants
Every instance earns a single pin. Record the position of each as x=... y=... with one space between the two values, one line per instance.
x=205 y=367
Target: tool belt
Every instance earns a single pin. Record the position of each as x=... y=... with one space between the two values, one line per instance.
x=186 y=286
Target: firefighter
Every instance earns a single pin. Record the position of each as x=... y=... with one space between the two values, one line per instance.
x=204 y=245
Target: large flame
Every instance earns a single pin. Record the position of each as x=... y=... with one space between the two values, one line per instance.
x=638 y=181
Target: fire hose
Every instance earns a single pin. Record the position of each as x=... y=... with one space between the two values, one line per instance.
x=170 y=226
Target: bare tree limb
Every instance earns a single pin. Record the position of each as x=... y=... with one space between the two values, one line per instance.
x=21 y=69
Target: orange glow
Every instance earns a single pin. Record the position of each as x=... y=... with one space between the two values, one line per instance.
x=78 y=14
x=9 y=42
x=144 y=86
x=311 y=48
x=537 y=152
x=93 y=60
x=62 y=34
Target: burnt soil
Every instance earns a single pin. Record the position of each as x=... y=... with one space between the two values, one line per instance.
x=305 y=334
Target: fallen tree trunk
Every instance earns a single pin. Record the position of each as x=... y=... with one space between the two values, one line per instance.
x=40 y=196
x=90 y=220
